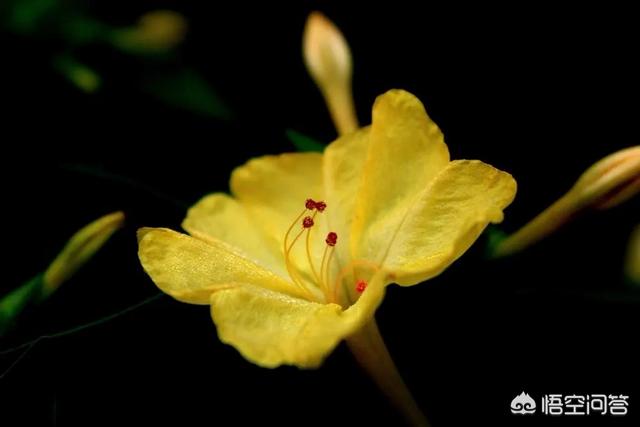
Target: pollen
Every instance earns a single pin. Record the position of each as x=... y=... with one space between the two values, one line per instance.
x=361 y=286
x=310 y=204
x=320 y=206
x=332 y=239
x=307 y=222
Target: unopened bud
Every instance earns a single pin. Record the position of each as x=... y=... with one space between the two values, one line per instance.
x=328 y=60
x=609 y=182
x=632 y=263
x=156 y=31
x=78 y=74
x=79 y=249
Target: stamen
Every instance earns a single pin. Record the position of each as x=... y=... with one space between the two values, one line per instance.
x=286 y=236
x=322 y=267
x=311 y=263
x=307 y=222
x=310 y=204
x=327 y=269
x=361 y=286
x=332 y=239
x=293 y=273
x=287 y=250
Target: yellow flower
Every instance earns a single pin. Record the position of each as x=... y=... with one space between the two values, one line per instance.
x=298 y=258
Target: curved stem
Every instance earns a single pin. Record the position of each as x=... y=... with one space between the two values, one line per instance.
x=370 y=351
x=339 y=100
x=551 y=219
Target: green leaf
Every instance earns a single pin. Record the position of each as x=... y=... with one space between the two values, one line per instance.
x=188 y=90
x=26 y=16
x=15 y=301
x=81 y=30
x=494 y=236
x=303 y=142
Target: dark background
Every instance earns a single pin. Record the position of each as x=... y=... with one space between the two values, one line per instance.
x=539 y=92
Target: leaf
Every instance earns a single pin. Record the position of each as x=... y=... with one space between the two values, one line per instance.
x=494 y=236
x=26 y=16
x=188 y=90
x=80 y=30
x=303 y=142
x=15 y=301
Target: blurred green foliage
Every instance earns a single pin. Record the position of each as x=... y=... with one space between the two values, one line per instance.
x=152 y=38
x=80 y=75
x=187 y=89
x=26 y=16
x=303 y=142
x=17 y=300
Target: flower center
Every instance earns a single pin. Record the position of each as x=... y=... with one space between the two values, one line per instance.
x=321 y=277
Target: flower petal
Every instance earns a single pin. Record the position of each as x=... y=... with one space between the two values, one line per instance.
x=447 y=218
x=342 y=168
x=406 y=151
x=272 y=329
x=274 y=190
x=224 y=218
x=189 y=269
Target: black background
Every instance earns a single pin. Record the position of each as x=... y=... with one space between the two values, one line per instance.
x=539 y=92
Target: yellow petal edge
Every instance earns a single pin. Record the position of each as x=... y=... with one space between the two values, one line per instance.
x=271 y=329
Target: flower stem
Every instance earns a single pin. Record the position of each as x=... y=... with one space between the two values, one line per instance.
x=551 y=219
x=370 y=351
x=339 y=100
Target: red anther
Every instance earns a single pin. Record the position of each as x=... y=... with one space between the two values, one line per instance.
x=361 y=286
x=321 y=206
x=310 y=204
x=307 y=222
x=332 y=239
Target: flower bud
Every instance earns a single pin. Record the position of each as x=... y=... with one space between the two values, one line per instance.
x=156 y=31
x=632 y=263
x=328 y=60
x=79 y=249
x=78 y=74
x=609 y=182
